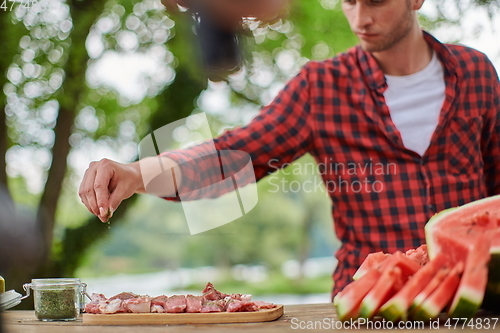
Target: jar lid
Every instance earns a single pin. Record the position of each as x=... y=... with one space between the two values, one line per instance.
x=55 y=282
x=9 y=299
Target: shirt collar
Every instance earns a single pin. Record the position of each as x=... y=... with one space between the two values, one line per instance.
x=375 y=77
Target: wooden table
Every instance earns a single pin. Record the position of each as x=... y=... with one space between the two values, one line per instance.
x=296 y=318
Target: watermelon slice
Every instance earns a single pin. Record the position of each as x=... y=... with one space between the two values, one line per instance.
x=429 y=289
x=396 y=268
x=441 y=296
x=419 y=255
x=408 y=267
x=470 y=293
x=397 y=307
x=454 y=230
x=465 y=238
x=371 y=261
x=459 y=224
x=348 y=300
x=413 y=258
x=387 y=285
x=457 y=248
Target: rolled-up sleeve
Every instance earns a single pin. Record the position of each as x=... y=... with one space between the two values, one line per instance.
x=279 y=134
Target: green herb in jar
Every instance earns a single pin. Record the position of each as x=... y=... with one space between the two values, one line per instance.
x=56 y=304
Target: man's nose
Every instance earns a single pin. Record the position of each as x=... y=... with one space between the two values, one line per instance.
x=363 y=16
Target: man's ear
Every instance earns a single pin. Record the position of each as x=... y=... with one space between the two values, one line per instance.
x=417 y=4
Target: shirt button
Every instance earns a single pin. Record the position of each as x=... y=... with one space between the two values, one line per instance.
x=431 y=207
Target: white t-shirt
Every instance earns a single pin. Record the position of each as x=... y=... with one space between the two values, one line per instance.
x=415 y=103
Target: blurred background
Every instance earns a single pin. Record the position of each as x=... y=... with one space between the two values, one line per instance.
x=85 y=80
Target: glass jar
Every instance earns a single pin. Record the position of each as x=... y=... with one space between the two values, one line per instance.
x=56 y=299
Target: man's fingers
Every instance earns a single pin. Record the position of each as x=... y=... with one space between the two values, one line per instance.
x=94 y=191
x=105 y=184
x=115 y=200
x=117 y=192
x=101 y=187
x=86 y=191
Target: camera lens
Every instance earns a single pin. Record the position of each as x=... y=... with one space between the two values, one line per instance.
x=220 y=47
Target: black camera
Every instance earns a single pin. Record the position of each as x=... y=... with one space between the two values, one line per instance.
x=220 y=46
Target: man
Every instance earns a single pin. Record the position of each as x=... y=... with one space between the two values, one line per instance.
x=427 y=115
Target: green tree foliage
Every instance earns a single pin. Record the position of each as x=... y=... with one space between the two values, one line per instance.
x=50 y=108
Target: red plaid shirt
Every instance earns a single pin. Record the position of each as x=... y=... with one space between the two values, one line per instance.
x=382 y=193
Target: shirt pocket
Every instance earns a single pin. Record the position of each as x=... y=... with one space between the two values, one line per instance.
x=464 y=145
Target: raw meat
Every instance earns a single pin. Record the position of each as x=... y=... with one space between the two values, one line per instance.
x=212 y=300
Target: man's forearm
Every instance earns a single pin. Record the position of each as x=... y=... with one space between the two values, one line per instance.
x=161 y=176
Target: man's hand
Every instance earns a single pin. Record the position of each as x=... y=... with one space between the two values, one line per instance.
x=107 y=183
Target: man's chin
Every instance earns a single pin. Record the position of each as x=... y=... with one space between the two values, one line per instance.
x=368 y=47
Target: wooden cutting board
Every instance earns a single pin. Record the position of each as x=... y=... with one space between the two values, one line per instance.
x=182 y=318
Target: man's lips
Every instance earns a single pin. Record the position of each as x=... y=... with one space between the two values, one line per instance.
x=365 y=35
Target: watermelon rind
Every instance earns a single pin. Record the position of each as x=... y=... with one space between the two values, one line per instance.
x=426 y=312
x=494 y=266
x=441 y=296
x=432 y=250
x=347 y=302
x=381 y=291
x=465 y=308
x=396 y=310
x=368 y=307
x=491 y=297
x=342 y=310
x=428 y=290
x=492 y=294
x=467 y=300
x=493 y=288
x=397 y=307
